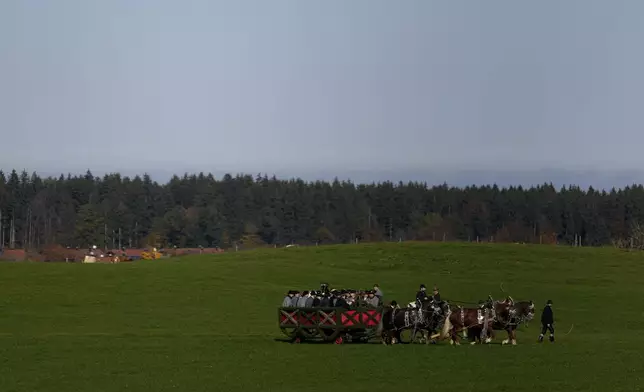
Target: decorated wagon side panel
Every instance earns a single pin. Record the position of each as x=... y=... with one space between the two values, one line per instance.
x=329 y=324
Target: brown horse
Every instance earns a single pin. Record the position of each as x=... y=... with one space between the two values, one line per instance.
x=520 y=312
x=479 y=320
x=461 y=319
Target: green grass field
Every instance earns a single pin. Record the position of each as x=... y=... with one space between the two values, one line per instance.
x=210 y=323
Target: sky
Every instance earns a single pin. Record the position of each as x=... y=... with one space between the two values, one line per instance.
x=299 y=87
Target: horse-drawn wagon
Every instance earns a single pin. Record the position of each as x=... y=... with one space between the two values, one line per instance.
x=329 y=324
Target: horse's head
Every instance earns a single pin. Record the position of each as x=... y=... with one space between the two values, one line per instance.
x=504 y=309
x=440 y=308
x=509 y=304
x=487 y=304
x=445 y=307
x=529 y=311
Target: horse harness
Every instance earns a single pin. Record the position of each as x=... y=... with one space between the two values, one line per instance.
x=412 y=317
x=480 y=316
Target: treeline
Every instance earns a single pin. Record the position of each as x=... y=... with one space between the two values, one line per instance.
x=247 y=211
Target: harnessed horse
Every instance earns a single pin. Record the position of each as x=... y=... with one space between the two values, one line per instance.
x=478 y=319
x=394 y=321
x=434 y=321
x=520 y=312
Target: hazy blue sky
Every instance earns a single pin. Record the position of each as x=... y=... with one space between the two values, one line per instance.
x=321 y=86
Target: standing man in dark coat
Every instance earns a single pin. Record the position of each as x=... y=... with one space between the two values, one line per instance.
x=547 y=322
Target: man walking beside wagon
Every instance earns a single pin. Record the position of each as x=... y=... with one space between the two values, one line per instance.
x=547 y=322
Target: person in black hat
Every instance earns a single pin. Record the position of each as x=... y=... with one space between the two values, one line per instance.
x=421 y=294
x=309 y=299
x=372 y=300
x=301 y=301
x=325 y=300
x=288 y=300
x=436 y=296
x=547 y=322
x=333 y=297
x=340 y=301
x=316 y=299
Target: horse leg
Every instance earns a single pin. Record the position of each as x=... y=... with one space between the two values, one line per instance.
x=473 y=338
x=509 y=339
x=490 y=335
x=514 y=337
x=476 y=334
x=422 y=335
x=384 y=337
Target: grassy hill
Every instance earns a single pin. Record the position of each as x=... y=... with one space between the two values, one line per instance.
x=207 y=323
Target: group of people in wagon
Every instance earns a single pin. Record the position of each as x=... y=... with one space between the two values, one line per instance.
x=333 y=298
x=325 y=297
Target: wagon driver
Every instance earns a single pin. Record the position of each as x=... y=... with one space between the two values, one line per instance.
x=378 y=293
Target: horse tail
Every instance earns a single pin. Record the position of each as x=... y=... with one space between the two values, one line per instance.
x=447 y=326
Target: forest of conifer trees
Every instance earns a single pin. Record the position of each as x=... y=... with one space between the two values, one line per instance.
x=247 y=211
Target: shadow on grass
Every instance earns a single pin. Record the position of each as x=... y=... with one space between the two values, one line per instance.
x=321 y=341
x=377 y=342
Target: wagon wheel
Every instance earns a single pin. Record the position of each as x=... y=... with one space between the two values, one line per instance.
x=406 y=336
x=290 y=333
x=308 y=333
x=329 y=334
x=361 y=335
